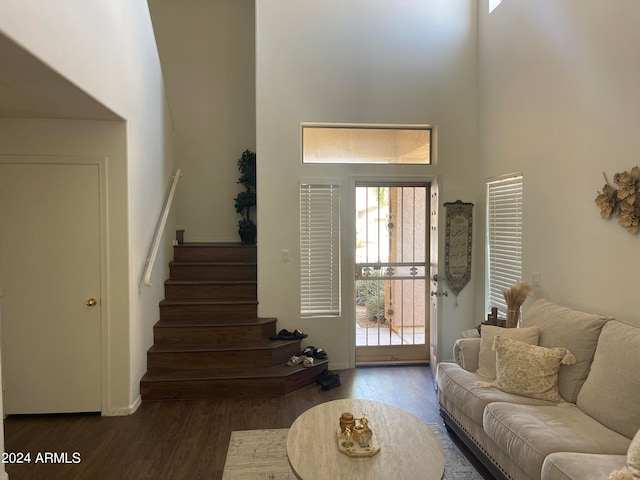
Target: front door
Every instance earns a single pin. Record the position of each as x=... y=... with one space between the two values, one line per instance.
x=392 y=243
x=50 y=283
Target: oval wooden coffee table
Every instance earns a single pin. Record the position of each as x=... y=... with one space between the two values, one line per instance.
x=408 y=447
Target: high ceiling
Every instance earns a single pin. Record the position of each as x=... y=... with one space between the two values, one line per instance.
x=31 y=89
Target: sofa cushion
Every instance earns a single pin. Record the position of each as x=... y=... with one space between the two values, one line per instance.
x=529 y=433
x=529 y=370
x=611 y=392
x=487 y=356
x=578 y=466
x=458 y=390
x=565 y=327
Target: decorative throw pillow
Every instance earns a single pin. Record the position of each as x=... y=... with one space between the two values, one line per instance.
x=487 y=356
x=529 y=370
x=565 y=327
x=632 y=470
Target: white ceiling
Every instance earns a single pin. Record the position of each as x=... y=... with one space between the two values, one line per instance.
x=31 y=89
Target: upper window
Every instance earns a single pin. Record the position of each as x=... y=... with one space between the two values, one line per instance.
x=493 y=4
x=349 y=143
x=504 y=238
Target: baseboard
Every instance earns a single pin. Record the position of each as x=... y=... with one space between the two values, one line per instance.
x=338 y=366
x=122 y=412
x=392 y=363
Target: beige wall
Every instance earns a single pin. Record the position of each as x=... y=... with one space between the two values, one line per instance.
x=559 y=101
x=208 y=59
x=107 y=49
x=103 y=140
x=360 y=61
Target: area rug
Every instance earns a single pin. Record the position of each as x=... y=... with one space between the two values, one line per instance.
x=262 y=455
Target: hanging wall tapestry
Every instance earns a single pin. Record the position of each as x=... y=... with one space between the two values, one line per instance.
x=458 y=235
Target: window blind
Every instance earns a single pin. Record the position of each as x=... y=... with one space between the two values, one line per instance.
x=504 y=238
x=319 y=250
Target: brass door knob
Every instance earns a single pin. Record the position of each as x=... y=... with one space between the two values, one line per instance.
x=92 y=302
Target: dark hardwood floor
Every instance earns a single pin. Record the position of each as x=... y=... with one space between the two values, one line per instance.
x=188 y=439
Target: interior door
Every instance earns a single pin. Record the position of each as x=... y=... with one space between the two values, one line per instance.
x=434 y=279
x=50 y=281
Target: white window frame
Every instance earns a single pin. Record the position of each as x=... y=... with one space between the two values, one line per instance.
x=320 y=272
x=504 y=237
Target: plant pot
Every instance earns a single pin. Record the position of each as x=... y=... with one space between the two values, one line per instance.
x=248 y=234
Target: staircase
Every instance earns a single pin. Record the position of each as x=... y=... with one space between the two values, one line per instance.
x=209 y=341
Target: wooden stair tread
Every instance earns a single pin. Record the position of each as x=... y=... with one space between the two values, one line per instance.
x=250 y=345
x=171 y=281
x=275 y=371
x=206 y=263
x=216 y=244
x=179 y=323
x=208 y=301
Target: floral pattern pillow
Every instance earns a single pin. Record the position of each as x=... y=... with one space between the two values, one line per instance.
x=632 y=470
x=529 y=370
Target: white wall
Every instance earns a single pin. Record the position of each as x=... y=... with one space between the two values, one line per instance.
x=559 y=101
x=108 y=50
x=208 y=60
x=363 y=61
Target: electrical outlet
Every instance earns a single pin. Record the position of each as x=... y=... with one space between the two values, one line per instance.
x=285 y=255
x=535 y=278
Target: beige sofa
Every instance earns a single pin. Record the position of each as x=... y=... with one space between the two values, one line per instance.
x=585 y=436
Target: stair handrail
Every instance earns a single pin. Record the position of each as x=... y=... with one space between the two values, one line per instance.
x=162 y=223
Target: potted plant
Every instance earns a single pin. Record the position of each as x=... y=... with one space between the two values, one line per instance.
x=246 y=200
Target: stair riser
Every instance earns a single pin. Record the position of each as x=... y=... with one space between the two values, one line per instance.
x=158 y=362
x=181 y=271
x=239 y=313
x=241 y=387
x=221 y=388
x=211 y=291
x=211 y=334
x=214 y=253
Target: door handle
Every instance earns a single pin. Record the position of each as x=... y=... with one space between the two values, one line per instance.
x=92 y=302
x=439 y=293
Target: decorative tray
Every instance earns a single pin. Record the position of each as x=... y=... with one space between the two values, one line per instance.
x=355 y=450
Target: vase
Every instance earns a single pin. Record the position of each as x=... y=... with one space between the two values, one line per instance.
x=347 y=420
x=513 y=316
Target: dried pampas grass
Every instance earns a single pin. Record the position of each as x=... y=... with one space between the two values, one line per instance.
x=515 y=297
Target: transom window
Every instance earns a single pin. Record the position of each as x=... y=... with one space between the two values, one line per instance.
x=377 y=144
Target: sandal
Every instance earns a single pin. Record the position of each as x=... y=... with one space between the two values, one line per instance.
x=295 y=360
x=320 y=354
x=309 y=351
x=328 y=379
x=298 y=335
x=282 y=335
x=307 y=362
x=287 y=335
